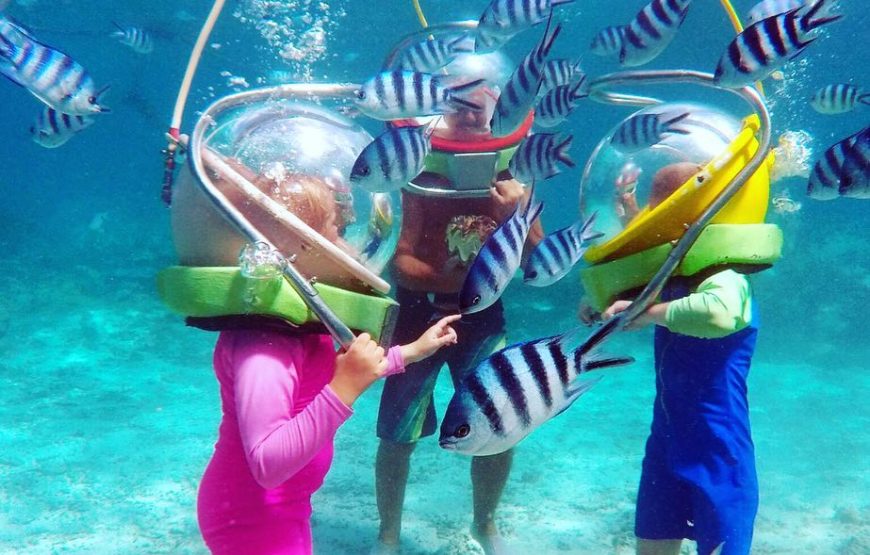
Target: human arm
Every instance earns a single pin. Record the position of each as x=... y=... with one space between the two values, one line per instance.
x=437 y=336
x=506 y=195
x=720 y=306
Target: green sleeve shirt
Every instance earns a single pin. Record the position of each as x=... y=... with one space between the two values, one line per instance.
x=720 y=306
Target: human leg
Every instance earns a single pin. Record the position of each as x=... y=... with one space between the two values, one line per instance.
x=658 y=547
x=488 y=478
x=391 y=476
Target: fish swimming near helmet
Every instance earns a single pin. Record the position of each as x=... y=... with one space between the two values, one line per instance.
x=561 y=72
x=502 y=19
x=558 y=103
x=558 y=252
x=52 y=128
x=838 y=99
x=139 y=40
x=843 y=169
x=498 y=259
x=394 y=158
x=49 y=74
x=769 y=8
x=652 y=30
x=521 y=90
x=430 y=55
x=608 y=41
x=516 y=390
x=769 y=44
x=643 y=130
x=401 y=94
x=537 y=157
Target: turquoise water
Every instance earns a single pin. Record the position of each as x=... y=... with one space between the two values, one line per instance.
x=109 y=405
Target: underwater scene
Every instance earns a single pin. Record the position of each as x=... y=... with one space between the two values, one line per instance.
x=110 y=405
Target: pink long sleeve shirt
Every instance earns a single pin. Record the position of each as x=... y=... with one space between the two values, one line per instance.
x=275 y=440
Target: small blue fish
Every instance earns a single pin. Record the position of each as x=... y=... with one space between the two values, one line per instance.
x=643 y=130
x=838 y=99
x=139 y=40
x=558 y=252
x=557 y=104
x=521 y=89
x=498 y=259
x=502 y=19
x=516 y=390
x=608 y=41
x=652 y=30
x=843 y=169
x=52 y=129
x=401 y=94
x=430 y=55
x=50 y=75
x=393 y=159
x=536 y=157
x=764 y=47
x=561 y=72
x=769 y=8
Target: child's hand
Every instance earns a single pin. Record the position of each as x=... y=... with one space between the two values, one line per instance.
x=655 y=314
x=434 y=338
x=357 y=368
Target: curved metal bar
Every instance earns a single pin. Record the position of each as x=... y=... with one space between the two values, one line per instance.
x=339 y=331
x=619 y=99
x=447 y=193
x=751 y=97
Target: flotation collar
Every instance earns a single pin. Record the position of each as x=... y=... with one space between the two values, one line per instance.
x=746 y=247
x=213 y=292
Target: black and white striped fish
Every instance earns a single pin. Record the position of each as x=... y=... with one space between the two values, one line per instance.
x=516 y=390
x=50 y=75
x=521 y=90
x=643 y=130
x=498 y=259
x=401 y=94
x=838 y=99
x=557 y=104
x=393 y=159
x=537 y=157
x=502 y=19
x=764 y=47
x=430 y=55
x=139 y=40
x=608 y=41
x=652 y=30
x=561 y=72
x=558 y=252
x=52 y=128
x=843 y=169
x=769 y=8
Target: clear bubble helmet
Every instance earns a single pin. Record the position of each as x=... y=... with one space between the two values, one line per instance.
x=618 y=183
x=302 y=201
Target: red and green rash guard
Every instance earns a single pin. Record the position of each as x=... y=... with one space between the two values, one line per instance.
x=275 y=440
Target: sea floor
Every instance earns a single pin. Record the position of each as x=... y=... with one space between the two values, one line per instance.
x=110 y=410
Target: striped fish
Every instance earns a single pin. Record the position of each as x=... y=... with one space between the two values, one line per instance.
x=557 y=253
x=503 y=19
x=50 y=75
x=557 y=104
x=769 y=8
x=401 y=94
x=608 y=41
x=139 y=40
x=516 y=390
x=536 y=157
x=393 y=159
x=561 y=72
x=430 y=55
x=521 y=89
x=843 y=169
x=651 y=30
x=643 y=130
x=498 y=259
x=764 y=47
x=52 y=128
x=838 y=99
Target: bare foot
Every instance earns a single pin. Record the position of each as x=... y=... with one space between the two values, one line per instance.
x=490 y=540
x=381 y=548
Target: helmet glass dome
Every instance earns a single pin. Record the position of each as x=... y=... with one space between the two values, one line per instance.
x=627 y=174
x=299 y=154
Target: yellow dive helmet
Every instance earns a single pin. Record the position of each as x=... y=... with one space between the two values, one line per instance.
x=618 y=182
x=276 y=169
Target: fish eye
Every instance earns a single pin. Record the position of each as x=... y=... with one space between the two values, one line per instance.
x=533 y=274
x=462 y=431
x=363 y=170
x=92 y=99
x=361 y=94
x=475 y=300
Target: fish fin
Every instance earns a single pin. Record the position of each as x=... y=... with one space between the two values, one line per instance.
x=533 y=208
x=7 y=48
x=555 y=3
x=673 y=120
x=819 y=9
x=585 y=233
x=575 y=390
x=453 y=46
x=453 y=99
x=864 y=98
x=116 y=24
x=549 y=37
x=575 y=93
x=561 y=152
x=596 y=361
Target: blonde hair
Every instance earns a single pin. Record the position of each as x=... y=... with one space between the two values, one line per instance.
x=311 y=199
